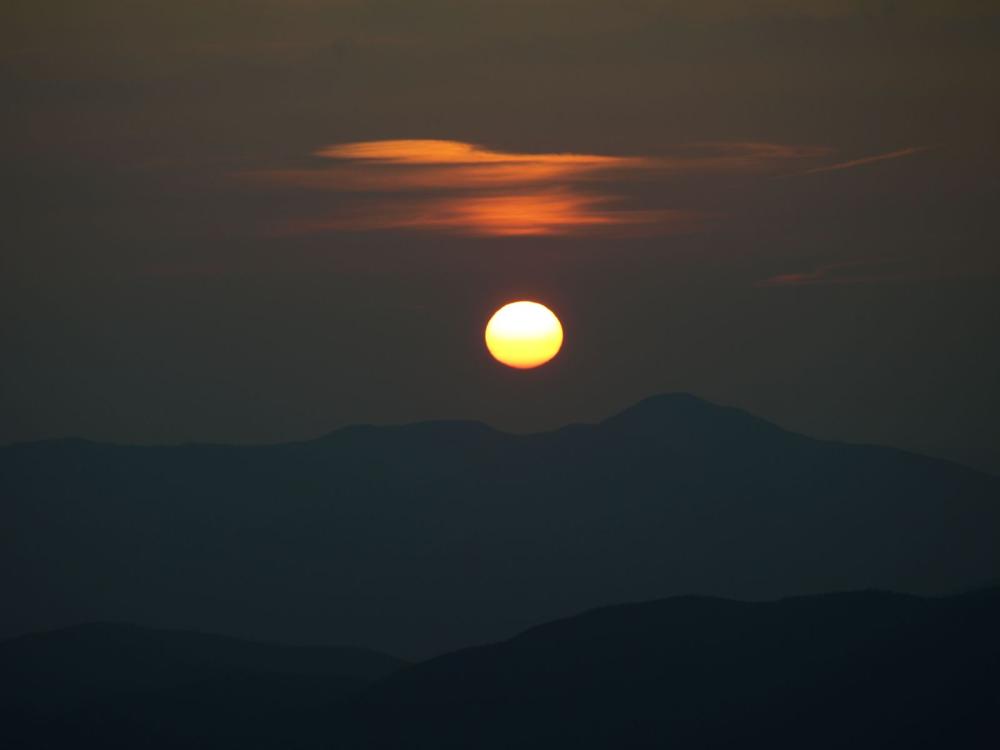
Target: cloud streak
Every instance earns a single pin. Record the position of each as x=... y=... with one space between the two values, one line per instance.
x=864 y=161
x=463 y=188
x=389 y=166
x=853 y=272
x=541 y=213
x=426 y=151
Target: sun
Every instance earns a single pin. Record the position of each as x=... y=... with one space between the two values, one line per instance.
x=524 y=335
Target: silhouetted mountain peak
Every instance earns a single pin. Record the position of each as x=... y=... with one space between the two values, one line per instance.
x=685 y=415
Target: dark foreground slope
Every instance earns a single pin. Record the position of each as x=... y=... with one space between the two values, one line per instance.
x=860 y=670
x=108 y=685
x=432 y=536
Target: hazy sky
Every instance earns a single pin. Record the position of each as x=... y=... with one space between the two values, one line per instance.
x=258 y=221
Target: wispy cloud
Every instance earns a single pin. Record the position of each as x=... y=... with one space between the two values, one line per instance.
x=550 y=212
x=390 y=166
x=850 y=272
x=737 y=156
x=863 y=161
x=464 y=188
x=455 y=152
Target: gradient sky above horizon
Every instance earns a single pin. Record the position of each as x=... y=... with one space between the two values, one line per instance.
x=257 y=221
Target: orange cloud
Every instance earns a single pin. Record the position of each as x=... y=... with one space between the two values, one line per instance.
x=390 y=166
x=454 y=152
x=532 y=213
x=475 y=190
x=371 y=178
x=404 y=165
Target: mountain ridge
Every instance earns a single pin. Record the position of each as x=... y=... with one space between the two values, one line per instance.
x=635 y=416
x=423 y=538
x=677 y=403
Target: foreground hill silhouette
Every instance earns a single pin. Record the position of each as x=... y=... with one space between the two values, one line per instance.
x=103 y=683
x=426 y=537
x=858 y=670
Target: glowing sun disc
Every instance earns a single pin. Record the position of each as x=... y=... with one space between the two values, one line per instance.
x=524 y=335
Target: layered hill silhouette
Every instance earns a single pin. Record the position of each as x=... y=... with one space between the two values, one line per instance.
x=427 y=537
x=860 y=670
x=117 y=685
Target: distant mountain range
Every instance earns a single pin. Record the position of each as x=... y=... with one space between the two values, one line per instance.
x=427 y=537
x=861 y=670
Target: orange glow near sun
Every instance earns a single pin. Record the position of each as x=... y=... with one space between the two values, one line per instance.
x=524 y=335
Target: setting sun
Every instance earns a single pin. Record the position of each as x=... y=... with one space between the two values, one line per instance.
x=524 y=335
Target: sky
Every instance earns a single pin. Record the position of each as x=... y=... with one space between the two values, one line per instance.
x=259 y=221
